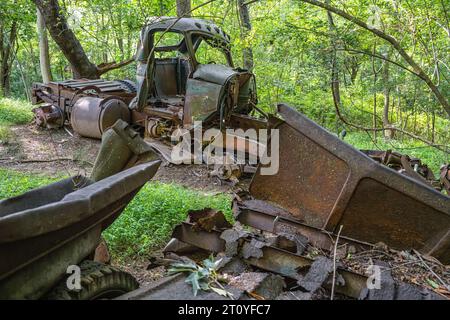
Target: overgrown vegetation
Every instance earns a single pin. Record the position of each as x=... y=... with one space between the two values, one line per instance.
x=295 y=47
x=15 y=111
x=148 y=220
x=13 y=183
x=151 y=216
x=299 y=50
x=12 y=112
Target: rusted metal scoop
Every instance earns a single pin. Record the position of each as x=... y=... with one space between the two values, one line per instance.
x=325 y=183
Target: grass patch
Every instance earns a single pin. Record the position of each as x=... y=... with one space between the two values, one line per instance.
x=431 y=156
x=13 y=183
x=15 y=111
x=148 y=221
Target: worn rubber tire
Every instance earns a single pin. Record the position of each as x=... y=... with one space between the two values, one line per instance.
x=98 y=281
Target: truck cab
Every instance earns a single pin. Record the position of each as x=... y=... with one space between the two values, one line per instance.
x=185 y=73
x=185 y=76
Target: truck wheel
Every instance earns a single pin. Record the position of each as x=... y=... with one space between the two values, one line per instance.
x=98 y=281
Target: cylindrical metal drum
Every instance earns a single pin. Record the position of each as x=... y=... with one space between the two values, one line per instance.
x=92 y=116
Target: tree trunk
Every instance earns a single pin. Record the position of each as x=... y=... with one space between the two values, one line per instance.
x=433 y=126
x=44 y=57
x=387 y=89
x=183 y=8
x=354 y=68
x=7 y=57
x=26 y=86
x=375 y=80
x=247 y=52
x=66 y=40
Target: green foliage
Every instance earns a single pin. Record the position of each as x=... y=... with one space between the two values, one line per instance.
x=5 y=134
x=15 y=111
x=151 y=216
x=149 y=219
x=291 y=44
x=14 y=183
x=201 y=277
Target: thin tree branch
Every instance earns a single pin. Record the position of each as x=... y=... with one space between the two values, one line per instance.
x=417 y=69
x=379 y=57
x=442 y=148
x=106 y=67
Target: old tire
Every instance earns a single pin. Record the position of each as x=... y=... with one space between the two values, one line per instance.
x=98 y=281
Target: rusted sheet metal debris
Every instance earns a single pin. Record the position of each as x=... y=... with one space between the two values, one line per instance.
x=310 y=274
x=326 y=183
x=404 y=164
x=391 y=290
x=264 y=216
x=318 y=273
x=271 y=259
x=259 y=285
x=175 y=288
x=445 y=178
x=207 y=219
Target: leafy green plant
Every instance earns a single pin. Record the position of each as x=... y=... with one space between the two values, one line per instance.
x=14 y=183
x=15 y=111
x=5 y=134
x=202 y=277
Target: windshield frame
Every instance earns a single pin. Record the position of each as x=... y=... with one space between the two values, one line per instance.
x=193 y=38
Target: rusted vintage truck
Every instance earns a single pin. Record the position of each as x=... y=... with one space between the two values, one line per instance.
x=185 y=73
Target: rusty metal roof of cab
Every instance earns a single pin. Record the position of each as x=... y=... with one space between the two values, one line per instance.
x=187 y=25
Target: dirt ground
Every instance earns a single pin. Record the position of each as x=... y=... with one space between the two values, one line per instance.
x=56 y=152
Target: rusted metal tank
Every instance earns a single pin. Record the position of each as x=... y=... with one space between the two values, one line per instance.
x=325 y=183
x=91 y=116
